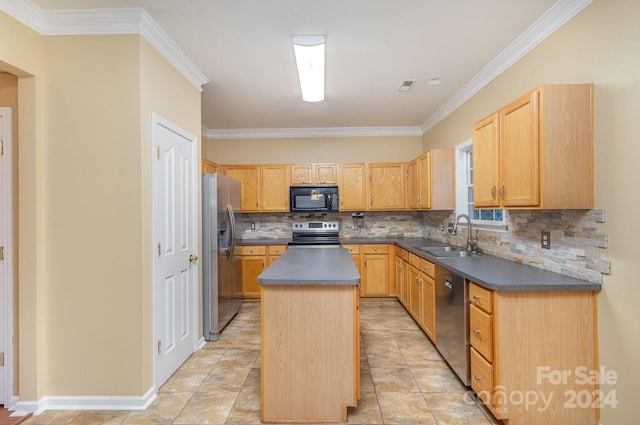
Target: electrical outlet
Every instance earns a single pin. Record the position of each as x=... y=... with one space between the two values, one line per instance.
x=545 y=240
x=253 y=225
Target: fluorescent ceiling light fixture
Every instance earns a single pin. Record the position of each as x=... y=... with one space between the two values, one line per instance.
x=309 y=51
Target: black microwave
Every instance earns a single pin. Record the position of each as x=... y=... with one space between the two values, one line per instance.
x=313 y=198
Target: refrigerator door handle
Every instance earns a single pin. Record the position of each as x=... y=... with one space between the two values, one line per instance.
x=232 y=233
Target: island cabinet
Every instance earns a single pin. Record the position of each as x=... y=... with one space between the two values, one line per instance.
x=537 y=152
x=309 y=337
x=534 y=355
x=352 y=191
x=386 y=186
x=318 y=173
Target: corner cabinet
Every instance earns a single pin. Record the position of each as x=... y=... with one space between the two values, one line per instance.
x=542 y=343
x=537 y=152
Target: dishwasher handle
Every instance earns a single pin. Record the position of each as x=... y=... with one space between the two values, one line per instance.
x=447 y=283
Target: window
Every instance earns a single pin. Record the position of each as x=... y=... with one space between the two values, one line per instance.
x=485 y=219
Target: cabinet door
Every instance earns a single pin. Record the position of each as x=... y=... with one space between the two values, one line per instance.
x=399 y=269
x=209 y=167
x=301 y=173
x=428 y=321
x=415 y=295
x=376 y=274
x=252 y=266
x=414 y=184
x=423 y=165
x=275 y=188
x=326 y=173
x=351 y=187
x=486 y=162
x=250 y=178
x=386 y=186
x=519 y=158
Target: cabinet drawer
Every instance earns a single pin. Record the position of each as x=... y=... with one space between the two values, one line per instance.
x=481 y=332
x=482 y=377
x=376 y=249
x=427 y=267
x=353 y=249
x=404 y=254
x=414 y=260
x=481 y=297
x=251 y=250
x=277 y=249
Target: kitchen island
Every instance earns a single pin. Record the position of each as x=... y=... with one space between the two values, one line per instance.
x=309 y=329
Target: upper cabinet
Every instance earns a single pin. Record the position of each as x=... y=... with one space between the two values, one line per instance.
x=386 y=188
x=275 y=187
x=352 y=191
x=250 y=178
x=314 y=174
x=432 y=180
x=537 y=152
x=209 y=167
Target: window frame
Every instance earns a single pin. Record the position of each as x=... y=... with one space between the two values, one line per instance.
x=462 y=185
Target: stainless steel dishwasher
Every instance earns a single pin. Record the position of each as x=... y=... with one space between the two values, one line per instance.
x=452 y=322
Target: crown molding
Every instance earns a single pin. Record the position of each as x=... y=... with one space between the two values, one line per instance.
x=105 y=22
x=277 y=133
x=554 y=18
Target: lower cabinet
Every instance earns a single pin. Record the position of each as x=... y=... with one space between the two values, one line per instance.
x=428 y=306
x=522 y=342
x=253 y=261
x=374 y=263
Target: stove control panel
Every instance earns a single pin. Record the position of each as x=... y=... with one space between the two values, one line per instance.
x=316 y=226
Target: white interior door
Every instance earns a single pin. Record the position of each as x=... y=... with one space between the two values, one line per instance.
x=176 y=271
x=6 y=267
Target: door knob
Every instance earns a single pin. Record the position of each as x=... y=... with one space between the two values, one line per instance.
x=193 y=258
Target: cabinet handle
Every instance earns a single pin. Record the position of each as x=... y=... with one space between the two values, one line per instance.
x=493 y=191
x=476 y=377
x=476 y=297
x=502 y=190
x=476 y=331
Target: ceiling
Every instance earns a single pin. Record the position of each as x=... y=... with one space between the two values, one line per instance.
x=244 y=49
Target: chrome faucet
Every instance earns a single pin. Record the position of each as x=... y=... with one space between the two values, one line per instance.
x=471 y=244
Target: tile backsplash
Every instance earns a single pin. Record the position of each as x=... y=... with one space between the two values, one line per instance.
x=575 y=243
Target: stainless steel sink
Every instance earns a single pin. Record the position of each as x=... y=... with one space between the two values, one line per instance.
x=446 y=251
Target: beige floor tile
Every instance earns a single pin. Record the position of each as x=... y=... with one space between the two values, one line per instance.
x=207 y=408
x=246 y=409
x=367 y=412
x=185 y=380
x=405 y=408
x=205 y=358
x=252 y=383
x=394 y=380
x=455 y=409
x=53 y=417
x=385 y=358
x=163 y=410
x=438 y=378
x=238 y=357
x=366 y=380
x=224 y=379
x=100 y=418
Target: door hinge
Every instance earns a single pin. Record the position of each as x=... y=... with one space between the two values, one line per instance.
x=1 y=147
x=1 y=359
x=159 y=346
x=158 y=152
x=159 y=249
x=1 y=253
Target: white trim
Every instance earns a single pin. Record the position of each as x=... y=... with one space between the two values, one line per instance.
x=270 y=133
x=6 y=237
x=86 y=403
x=554 y=18
x=105 y=22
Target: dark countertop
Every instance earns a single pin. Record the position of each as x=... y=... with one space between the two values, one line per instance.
x=486 y=270
x=312 y=265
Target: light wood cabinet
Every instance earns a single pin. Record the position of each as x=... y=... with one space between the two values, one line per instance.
x=428 y=294
x=274 y=252
x=375 y=270
x=317 y=173
x=209 y=167
x=415 y=295
x=352 y=187
x=275 y=187
x=432 y=180
x=386 y=186
x=401 y=278
x=253 y=260
x=537 y=152
x=250 y=177
x=519 y=339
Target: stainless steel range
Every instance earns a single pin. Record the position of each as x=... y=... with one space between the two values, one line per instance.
x=315 y=233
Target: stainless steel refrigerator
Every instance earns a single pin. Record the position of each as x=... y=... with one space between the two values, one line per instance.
x=221 y=277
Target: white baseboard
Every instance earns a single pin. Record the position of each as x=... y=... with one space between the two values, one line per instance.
x=201 y=343
x=23 y=408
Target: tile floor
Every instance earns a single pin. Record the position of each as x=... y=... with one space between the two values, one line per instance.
x=403 y=380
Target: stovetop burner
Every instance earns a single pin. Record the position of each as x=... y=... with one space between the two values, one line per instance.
x=315 y=233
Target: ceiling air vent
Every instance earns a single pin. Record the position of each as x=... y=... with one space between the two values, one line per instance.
x=406 y=85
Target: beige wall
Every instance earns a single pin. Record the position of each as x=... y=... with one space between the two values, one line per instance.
x=321 y=149
x=600 y=45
